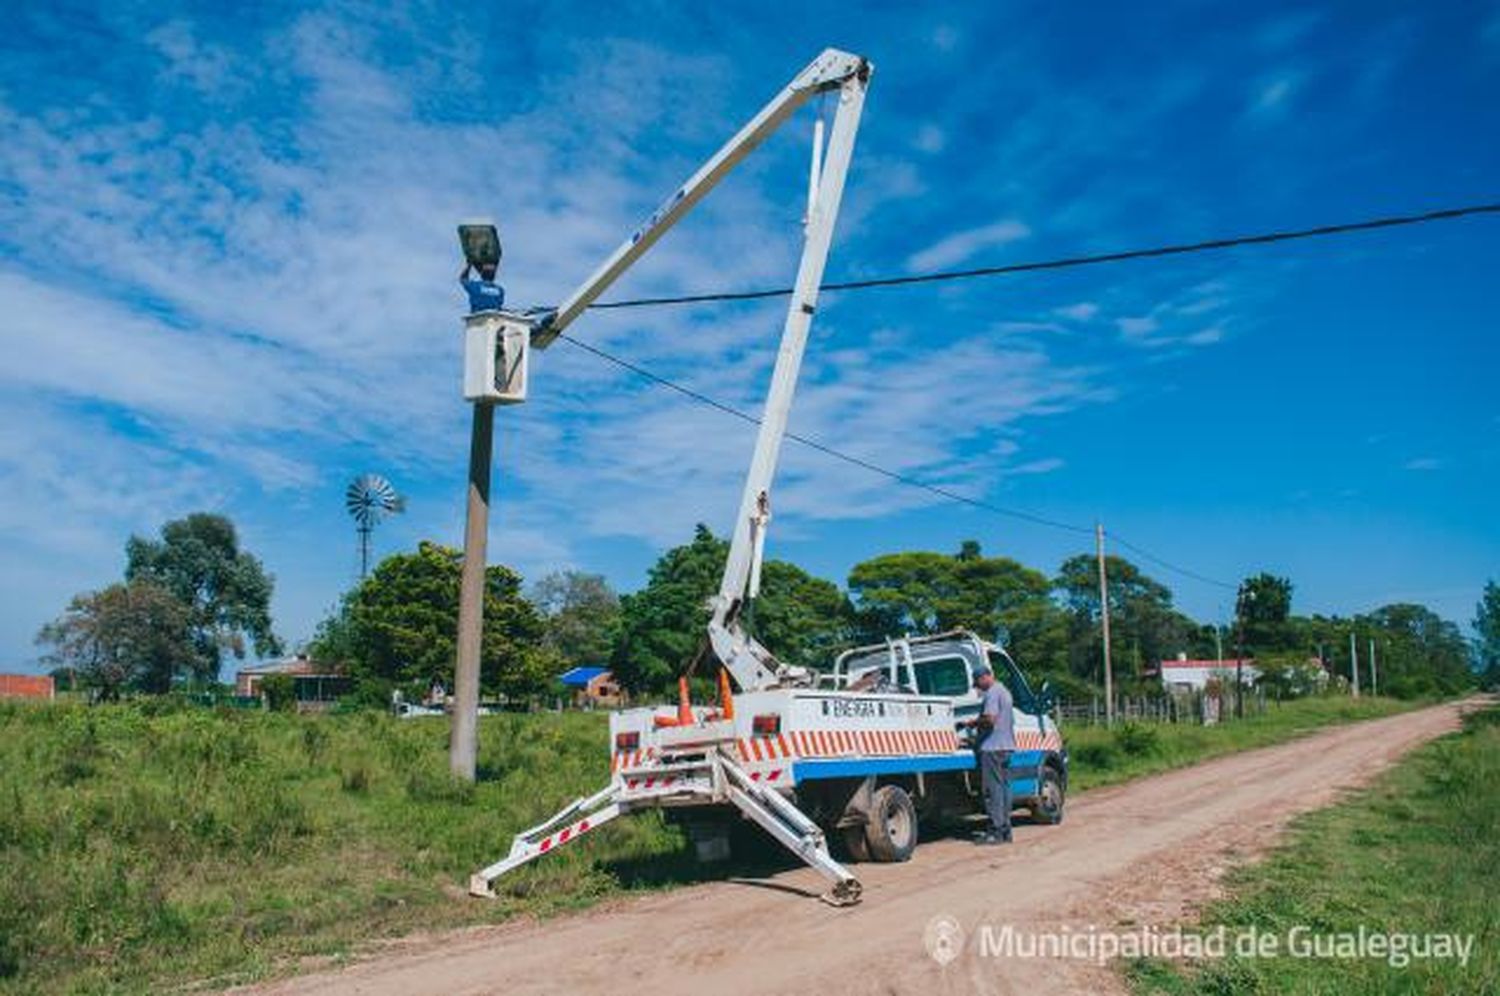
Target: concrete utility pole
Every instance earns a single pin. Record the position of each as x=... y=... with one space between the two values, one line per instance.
x=1374 y=678
x=1354 y=663
x=1245 y=596
x=1109 y=677
x=495 y=364
x=464 y=751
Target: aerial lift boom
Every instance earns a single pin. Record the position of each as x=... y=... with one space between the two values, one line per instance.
x=696 y=764
x=751 y=664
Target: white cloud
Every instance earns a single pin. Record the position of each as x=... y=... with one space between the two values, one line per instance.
x=206 y=68
x=930 y=139
x=960 y=246
x=1137 y=328
x=1044 y=466
x=1424 y=464
x=945 y=37
x=1083 y=311
x=1271 y=96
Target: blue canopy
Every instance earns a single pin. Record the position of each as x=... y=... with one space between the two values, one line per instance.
x=579 y=677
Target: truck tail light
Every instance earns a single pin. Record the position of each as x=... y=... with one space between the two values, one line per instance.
x=627 y=741
x=767 y=726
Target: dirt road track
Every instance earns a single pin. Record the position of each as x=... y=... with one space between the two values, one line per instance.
x=1141 y=853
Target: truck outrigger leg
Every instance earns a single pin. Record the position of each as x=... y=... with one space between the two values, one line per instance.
x=696 y=774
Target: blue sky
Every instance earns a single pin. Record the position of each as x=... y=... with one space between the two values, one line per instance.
x=227 y=261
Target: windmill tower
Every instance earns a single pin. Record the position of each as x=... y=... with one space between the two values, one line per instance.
x=369 y=499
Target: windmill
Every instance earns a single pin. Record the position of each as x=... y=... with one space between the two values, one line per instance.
x=369 y=499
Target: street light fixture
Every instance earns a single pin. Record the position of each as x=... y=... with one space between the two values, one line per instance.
x=480 y=240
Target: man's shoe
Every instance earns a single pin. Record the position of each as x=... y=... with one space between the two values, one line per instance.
x=989 y=839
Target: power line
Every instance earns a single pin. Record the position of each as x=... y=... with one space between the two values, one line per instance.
x=1264 y=238
x=823 y=448
x=1066 y=262
x=1148 y=555
x=827 y=450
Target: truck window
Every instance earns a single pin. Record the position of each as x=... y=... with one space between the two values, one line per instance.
x=903 y=676
x=1006 y=671
x=942 y=676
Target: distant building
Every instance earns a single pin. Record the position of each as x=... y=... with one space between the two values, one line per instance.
x=316 y=683
x=27 y=686
x=593 y=687
x=1183 y=675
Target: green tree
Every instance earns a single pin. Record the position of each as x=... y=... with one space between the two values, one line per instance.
x=1263 y=605
x=923 y=592
x=1487 y=626
x=802 y=619
x=400 y=625
x=226 y=590
x=127 y=636
x=1417 y=652
x=582 y=614
x=797 y=617
x=1144 y=627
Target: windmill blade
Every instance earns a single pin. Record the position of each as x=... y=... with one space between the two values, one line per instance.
x=370 y=498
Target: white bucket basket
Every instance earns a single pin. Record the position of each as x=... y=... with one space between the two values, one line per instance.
x=496 y=351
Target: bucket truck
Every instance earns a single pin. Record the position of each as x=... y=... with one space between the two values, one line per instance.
x=863 y=754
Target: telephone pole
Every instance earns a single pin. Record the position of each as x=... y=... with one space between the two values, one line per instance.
x=1374 y=678
x=1109 y=677
x=464 y=752
x=1354 y=663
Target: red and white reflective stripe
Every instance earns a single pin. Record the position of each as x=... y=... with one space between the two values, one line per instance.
x=564 y=835
x=631 y=758
x=653 y=781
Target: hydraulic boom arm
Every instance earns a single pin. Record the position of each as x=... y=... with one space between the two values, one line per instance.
x=752 y=666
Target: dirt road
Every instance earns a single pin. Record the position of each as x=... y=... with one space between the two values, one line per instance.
x=1141 y=853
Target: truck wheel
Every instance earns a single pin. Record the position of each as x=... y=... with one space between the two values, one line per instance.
x=856 y=844
x=892 y=830
x=1048 y=807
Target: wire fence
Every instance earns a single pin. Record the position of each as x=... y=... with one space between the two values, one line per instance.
x=1198 y=708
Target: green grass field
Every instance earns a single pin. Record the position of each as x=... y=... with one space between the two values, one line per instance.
x=157 y=843
x=1418 y=852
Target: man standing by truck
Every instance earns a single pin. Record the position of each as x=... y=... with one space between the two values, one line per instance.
x=995 y=739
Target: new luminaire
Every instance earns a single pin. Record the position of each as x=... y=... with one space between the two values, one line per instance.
x=481 y=243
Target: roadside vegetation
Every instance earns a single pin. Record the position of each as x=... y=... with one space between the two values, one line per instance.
x=1416 y=853
x=1099 y=756
x=158 y=841
x=150 y=842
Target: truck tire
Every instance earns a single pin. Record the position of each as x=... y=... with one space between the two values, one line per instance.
x=891 y=832
x=856 y=844
x=1048 y=807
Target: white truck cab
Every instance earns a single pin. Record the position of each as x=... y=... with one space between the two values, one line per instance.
x=943 y=665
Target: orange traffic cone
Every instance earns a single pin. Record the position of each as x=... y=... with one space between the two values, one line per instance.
x=726 y=697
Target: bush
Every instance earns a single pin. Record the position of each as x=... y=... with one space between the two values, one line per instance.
x=280 y=692
x=1136 y=740
x=1093 y=755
